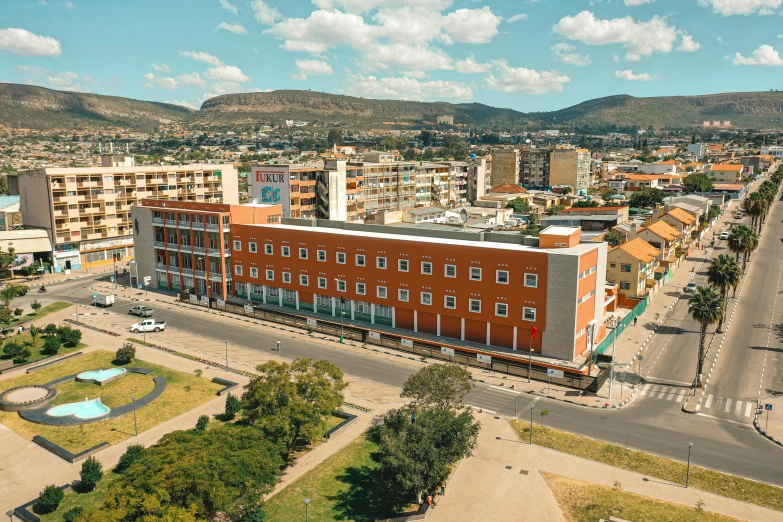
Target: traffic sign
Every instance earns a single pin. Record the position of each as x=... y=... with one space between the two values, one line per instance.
x=768 y=407
x=147 y=280
x=139 y=286
x=446 y=351
x=557 y=374
x=112 y=279
x=480 y=357
x=95 y=296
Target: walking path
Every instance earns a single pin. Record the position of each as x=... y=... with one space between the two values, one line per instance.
x=503 y=482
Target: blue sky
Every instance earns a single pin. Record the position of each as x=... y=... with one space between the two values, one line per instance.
x=527 y=55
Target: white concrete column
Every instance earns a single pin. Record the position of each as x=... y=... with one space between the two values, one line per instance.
x=514 y=346
x=353 y=309
x=438 y=330
x=315 y=303
x=394 y=317
x=372 y=313
x=247 y=289
x=415 y=321
x=488 y=333
x=280 y=297
x=334 y=304
x=462 y=329
x=296 y=295
x=263 y=293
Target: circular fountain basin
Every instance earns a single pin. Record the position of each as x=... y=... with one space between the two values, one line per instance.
x=99 y=377
x=91 y=409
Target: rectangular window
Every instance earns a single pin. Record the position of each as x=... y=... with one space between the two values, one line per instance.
x=426 y=268
x=380 y=262
x=322 y=255
x=381 y=292
x=625 y=268
x=625 y=286
x=426 y=298
x=528 y=314
x=286 y=251
x=286 y=277
x=321 y=282
x=402 y=295
x=302 y=253
x=531 y=280
x=360 y=288
x=340 y=258
x=268 y=249
x=402 y=265
x=237 y=270
x=341 y=286
x=501 y=277
x=254 y=248
x=475 y=306
x=475 y=274
x=501 y=309
x=614 y=265
x=270 y=275
x=237 y=246
x=304 y=280
x=450 y=302
x=451 y=270
x=359 y=260
x=253 y=272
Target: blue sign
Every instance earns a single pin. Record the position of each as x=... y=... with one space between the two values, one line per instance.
x=95 y=296
x=139 y=286
x=768 y=407
x=112 y=279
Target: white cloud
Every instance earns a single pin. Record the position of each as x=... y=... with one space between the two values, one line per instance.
x=160 y=67
x=472 y=25
x=35 y=71
x=20 y=41
x=220 y=88
x=168 y=83
x=227 y=73
x=299 y=77
x=232 y=28
x=183 y=103
x=638 y=38
x=632 y=3
x=70 y=5
x=721 y=40
x=314 y=67
x=470 y=66
x=516 y=18
x=201 y=57
x=361 y=6
x=408 y=24
x=525 y=81
x=407 y=88
x=264 y=13
x=742 y=7
x=225 y=4
x=402 y=56
x=323 y=30
x=564 y=53
x=766 y=55
x=412 y=73
x=192 y=79
x=629 y=75
x=62 y=81
x=688 y=44
x=90 y=80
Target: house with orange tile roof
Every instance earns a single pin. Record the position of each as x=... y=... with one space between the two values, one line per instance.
x=632 y=266
x=682 y=221
x=726 y=172
x=663 y=237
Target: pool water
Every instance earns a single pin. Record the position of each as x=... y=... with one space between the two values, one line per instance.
x=81 y=410
x=101 y=375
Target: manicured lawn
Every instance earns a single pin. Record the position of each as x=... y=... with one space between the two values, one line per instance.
x=586 y=502
x=114 y=393
x=36 y=351
x=674 y=471
x=89 y=501
x=184 y=392
x=49 y=309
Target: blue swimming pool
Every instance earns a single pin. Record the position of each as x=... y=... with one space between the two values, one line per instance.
x=81 y=410
x=100 y=375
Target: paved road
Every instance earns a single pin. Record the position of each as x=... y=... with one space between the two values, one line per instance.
x=718 y=444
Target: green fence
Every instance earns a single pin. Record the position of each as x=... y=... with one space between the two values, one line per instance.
x=627 y=320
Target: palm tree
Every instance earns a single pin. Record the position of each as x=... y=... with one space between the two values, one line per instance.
x=737 y=239
x=751 y=244
x=706 y=307
x=724 y=273
x=755 y=206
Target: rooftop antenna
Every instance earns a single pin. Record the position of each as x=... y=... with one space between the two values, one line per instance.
x=100 y=147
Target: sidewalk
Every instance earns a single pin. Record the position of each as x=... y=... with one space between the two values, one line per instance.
x=770 y=423
x=503 y=482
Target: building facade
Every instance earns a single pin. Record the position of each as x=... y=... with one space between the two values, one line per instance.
x=535 y=166
x=505 y=166
x=86 y=211
x=571 y=167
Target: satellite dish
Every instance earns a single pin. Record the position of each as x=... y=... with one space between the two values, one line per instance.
x=463 y=216
x=527 y=140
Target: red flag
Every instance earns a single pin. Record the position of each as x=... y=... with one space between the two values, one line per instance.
x=534 y=333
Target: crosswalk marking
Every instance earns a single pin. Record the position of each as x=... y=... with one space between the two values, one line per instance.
x=644 y=389
x=671 y=396
x=738 y=408
x=728 y=406
x=748 y=408
x=709 y=401
x=663 y=392
x=681 y=396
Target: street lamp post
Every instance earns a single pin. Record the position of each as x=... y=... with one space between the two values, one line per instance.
x=530 y=354
x=532 y=407
x=226 y=355
x=135 y=425
x=10 y=515
x=515 y=407
x=688 y=473
x=342 y=312
x=307 y=510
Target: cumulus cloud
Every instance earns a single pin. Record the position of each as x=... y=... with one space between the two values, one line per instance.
x=192 y=79
x=182 y=103
x=472 y=25
x=408 y=24
x=564 y=52
x=227 y=73
x=632 y=3
x=232 y=28
x=688 y=44
x=70 y=6
x=323 y=30
x=23 y=42
x=525 y=81
x=314 y=67
x=165 y=82
x=403 y=56
x=516 y=18
x=407 y=88
x=264 y=13
x=765 y=56
x=470 y=66
x=638 y=38
x=201 y=57
x=629 y=75
x=160 y=67
x=62 y=81
x=225 y=4
x=361 y=6
x=742 y=7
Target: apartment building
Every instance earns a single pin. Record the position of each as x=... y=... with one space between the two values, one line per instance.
x=571 y=167
x=632 y=266
x=505 y=166
x=535 y=167
x=87 y=211
x=479 y=179
x=726 y=173
x=487 y=288
x=185 y=245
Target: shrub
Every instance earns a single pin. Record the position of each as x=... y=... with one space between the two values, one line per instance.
x=35 y=305
x=69 y=336
x=51 y=329
x=50 y=498
x=91 y=473
x=125 y=354
x=18 y=312
x=233 y=405
x=23 y=355
x=73 y=514
x=52 y=345
x=131 y=455
x=201 y=423
x=257 y=515
x=35 y=331
x=12 y=349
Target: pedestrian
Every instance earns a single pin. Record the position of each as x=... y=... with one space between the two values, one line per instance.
x=443 y=488
x=20 y=329
x=635 y=320
x=429 y=501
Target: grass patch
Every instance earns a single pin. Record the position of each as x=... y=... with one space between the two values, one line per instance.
x=114 y=393
x=586 y=502
x=730 y=486
x=89 y=501
x=49 y=309
x=36 y=352
x=183 y=393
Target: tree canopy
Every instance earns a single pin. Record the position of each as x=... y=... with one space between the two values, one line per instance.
x=698 y=183
x=647 y=198
x=438 y=386
x=520 y=206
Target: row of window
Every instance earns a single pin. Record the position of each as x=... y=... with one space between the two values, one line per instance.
x=403 y=265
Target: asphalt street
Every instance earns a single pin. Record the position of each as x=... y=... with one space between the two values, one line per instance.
x=718 y=444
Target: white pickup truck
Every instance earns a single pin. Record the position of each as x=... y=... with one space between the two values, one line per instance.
x=148 y=325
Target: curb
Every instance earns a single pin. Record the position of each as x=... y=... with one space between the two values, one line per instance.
x=612 y=407
x=765 y=434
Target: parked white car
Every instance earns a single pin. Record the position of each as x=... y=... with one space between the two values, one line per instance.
x=724 y=235
x=148 y=325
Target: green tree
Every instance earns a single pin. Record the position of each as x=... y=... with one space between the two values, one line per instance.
x=697 y=183
x=427 y=138
x=35 y=305
x=233 y=406
x=706 y=307
x=126 y=354
x=438 y=386
x=552 y=210
x=91 y=473
x=256 y=515
x=614 y=238
x=132 y=454
x=713 y=212
x=724 y=273
x=7 y=261
x=50 y=499
x=35 y=331
x=290 y=401
x=52 y=345
x=647 y=198
x=455 y=148
x=520 y=206
x=202 y=422
x=585 y=203
x=335 y=137
x=8 y=294
x=73 y=514
x=51 y=329
x=69 y=336
x=18 y=312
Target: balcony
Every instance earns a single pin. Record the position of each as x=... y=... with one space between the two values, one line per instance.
x=184 y=224
x=187 y=271
x=172 y=246
x=171 y=223
x=215 y=276
x=155 y=220
x=186 y=249
x=213 y=252
x=213 y=226
x=87 y=184
x=160 y=266
x=160 y=244
x=199 y=250
x=199 y=274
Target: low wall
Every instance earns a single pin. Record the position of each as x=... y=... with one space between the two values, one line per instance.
x=23 y=512
x=64 y=453
x=347 y=419
x=4 y=365
x=229 y=385
x=52 y=363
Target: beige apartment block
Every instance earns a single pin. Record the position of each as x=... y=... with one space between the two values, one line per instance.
x=570 y=167
x=505 y=166
x=86 y=211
